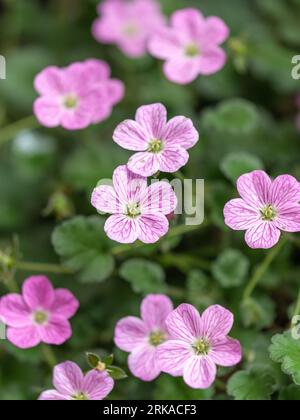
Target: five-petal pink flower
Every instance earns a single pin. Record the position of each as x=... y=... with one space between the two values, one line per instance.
x=138 y=211
x=161 y=145
x=266 y=208
x=76 y=96
x=143 y=337
x=128 y=24
x=198 y=344
x=190 y=45
x=72 y=385
x=40 y=314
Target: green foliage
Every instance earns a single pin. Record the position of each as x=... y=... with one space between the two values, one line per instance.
x=253 y=385
x=231 y=268
x=236 y=164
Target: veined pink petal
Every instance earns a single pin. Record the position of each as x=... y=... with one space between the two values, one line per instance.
x=130 y=332
x=14 y=312
x=49 y=82
x=188 y=23
x=97 y=385
x=48 y=111
x=38 y=292
x=284 y=191
x=180 y=131
x=173 y=158
x=131 y=136
x=165 y=44
x=239 y=215
x=159 y=198
x=152 y=227
x=65 y=304
x=200 y=372
x=255 y=188
x=53 y=395
x=184 y=323
x=216 y=322
x=263 y=235
x=226 y=352
x=143 y=363
x=289 y=219
x=56 y=332
x=105 y=199
x=144 y=163
x=68 y=378
x=182 y=70
x=154 y=311
x=173 y=355
x=153 y=119
x=128 y=185
x=24 y=338
x=212 y=60
x=121 y=229
x=215 y=31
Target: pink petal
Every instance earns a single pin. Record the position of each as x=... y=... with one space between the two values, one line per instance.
x=131 y=136
x=144 y=163
x=165 y=44
x=255 y=188
x=184 y=323
x=49 y=82
x=81 y=117
x=105 y=199
x=128 y=185
x=182 y=70
x=38 y=292
x=180 y=131
x=239 y=215
x=143 y=363
x=56 y=332
x=53 y=395
x=188 y=23
x=226 y=352
x=155 y=309
x=14 y=312
x=48 y=111
x=211 y=61
x=130 y=332
x=153 y=119
x=263 y=235
x=215 y=31
x=24 y=338
x=173 y=158
x=159 y=198
x=285 y=190
x=152 y=227
x=115 y=90
x=97 y=385
x=121 y=229
x=98 y=70
x=68 y=378
x=173 y=355
x=102 y=111
x=134 y=48
x=65 y=304
x=289 y=219
x=216 y=322
x=200 y=372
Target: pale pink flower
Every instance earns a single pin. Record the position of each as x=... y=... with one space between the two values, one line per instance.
x=143 y=337
x=190 y=45
x=266 y=208
x=128 y=24
x=76 y=96
x=198 y=344
x=161 y=145
x=138 y=211
x=72 y=385
x=40 y=314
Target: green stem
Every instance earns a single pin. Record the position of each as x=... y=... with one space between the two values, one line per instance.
x=183 y=262
x=10 y=132
x=263 y=268
x=297 y=308
x=43 y=268
x=179 y=175
x=49 y=356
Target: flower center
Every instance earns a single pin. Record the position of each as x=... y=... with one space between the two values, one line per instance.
x=70 y=101
x=192 y=50
x=268 y=213
x=133 y=210
x=202 y=347
x=80 y=397
x=156 y=338
x=155 y=146
x=130 y=30
x=40 y=317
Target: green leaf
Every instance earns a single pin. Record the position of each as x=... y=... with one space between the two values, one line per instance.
x=258 y=312
x=236 y=164
x=286 y=350
x=84 y=247
x=169 y=388
x=145 y=276
x=108 y=361
x=117 y=373
x=93 y=360
x=253 y=385
x=231 y=268
x=290 y=393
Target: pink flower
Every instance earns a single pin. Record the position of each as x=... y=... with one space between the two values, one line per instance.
x=161 y=145
x=138 y=211
x=71 y=385
x=197 y=344
x=266 y=208
x=190 y=45
x=40 y=314
x=76 y=96
x=142 y=338
x=128 y=24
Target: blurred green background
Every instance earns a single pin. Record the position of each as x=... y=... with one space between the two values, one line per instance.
x=246 y=117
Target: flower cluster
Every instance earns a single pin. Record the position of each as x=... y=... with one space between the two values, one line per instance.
x=179 y=342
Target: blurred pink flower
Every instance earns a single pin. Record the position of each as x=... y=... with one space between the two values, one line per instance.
x=71 y=385
x=143 y=337
x=266 y=208
x=40 y=314
x=128 y=24
x=162 y=145
x=197 y=344
x=190 y=45
x=76 y=96
x=139 y=211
